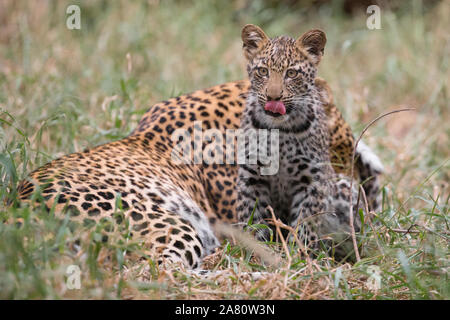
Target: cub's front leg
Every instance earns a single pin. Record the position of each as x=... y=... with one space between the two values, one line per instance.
x=307 y=210
x=253 y=194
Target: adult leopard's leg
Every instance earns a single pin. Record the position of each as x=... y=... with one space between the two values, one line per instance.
x=321 y=214
x=334 y=227
x=172 y=239
x=369 y=169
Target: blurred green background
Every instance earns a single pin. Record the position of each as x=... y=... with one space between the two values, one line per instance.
x=58 y=78
x=69 y=89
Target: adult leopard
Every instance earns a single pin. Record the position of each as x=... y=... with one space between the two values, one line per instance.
x=172 y=207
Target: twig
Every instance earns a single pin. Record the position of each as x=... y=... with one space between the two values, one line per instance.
x=352 y=227
x=432 y=231
x=277 y=223
x=404 y=231
x=303 y=249
x=305 y=253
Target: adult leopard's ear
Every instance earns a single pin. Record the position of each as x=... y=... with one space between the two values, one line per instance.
x=253 y=39
x=313 y=42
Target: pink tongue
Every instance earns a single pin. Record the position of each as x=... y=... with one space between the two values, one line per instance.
x=275 y=107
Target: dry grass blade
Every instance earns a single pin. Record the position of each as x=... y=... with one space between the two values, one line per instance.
x=352 y=227
x=277 y=223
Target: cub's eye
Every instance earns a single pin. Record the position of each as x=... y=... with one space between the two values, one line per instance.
x=291 y=73
x=263 y=71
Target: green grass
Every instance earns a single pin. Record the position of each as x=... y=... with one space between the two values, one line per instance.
x=63 y=90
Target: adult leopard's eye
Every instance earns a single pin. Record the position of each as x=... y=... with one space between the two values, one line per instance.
x=291 y=73
x=263 y=71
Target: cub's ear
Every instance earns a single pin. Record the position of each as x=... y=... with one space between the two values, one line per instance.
x=253 y=39
x=313 y=42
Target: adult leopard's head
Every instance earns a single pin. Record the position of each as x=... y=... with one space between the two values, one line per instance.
x=282 y=71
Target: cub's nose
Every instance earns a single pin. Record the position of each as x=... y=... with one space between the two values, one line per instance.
x=274 y=98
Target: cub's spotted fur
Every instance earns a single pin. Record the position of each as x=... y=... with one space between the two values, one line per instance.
x=172 y=208
x=305 y=193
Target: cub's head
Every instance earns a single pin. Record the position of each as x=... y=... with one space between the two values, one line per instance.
x=282 y=71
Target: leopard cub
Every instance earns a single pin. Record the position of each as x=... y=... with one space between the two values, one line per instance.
x=283 y=99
